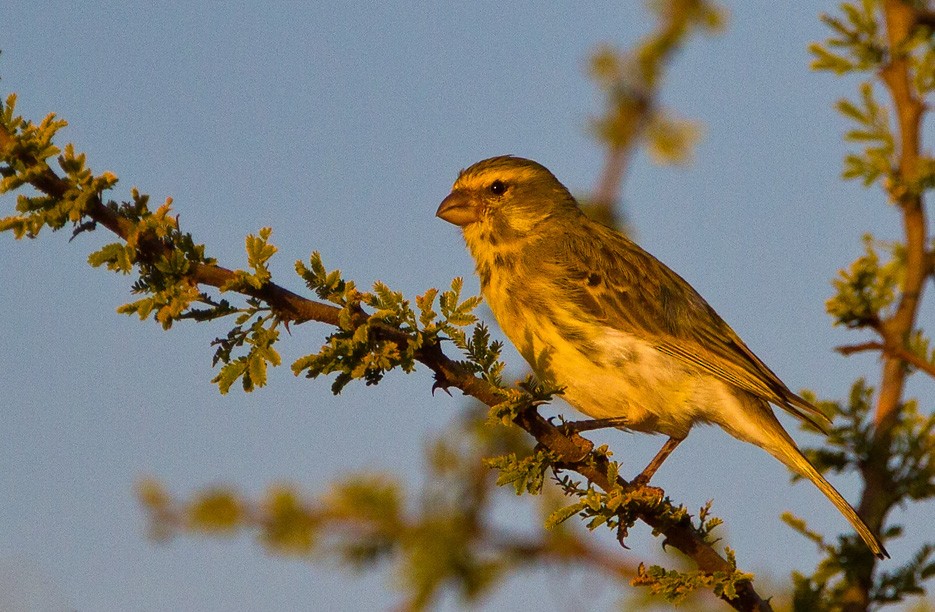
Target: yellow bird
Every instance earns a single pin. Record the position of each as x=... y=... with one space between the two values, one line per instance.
x=626 y=337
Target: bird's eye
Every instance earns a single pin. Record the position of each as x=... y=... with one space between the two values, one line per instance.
x=498 y=187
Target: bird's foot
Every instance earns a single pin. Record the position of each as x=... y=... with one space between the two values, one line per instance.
x=641 y=483
x=646 y=491
x=642 y=480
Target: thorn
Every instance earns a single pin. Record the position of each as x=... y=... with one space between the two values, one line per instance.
x=440 y=385
x=87 y=226
x=622 y=533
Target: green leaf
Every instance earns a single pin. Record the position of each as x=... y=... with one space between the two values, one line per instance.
x=117 y=256
x=229 y=374
x=564 y=513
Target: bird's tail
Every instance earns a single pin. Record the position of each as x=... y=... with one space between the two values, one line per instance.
x=756 y=423
x=787 y=452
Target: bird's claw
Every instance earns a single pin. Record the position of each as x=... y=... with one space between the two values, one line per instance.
x=645 y=490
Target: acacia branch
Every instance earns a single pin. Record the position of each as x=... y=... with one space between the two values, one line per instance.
x=642 y=104
x=896 y=351
x=903 y=188
x=900 y=18
x=574 y=452
x=565 y=550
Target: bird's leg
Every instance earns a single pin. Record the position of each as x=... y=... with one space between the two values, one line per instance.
x=661 y=456
x=591 y=424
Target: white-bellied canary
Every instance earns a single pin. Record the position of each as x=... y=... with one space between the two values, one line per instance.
x=624 y=336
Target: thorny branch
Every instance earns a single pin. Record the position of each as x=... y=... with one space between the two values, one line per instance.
x=573 y=451
x=901 y=18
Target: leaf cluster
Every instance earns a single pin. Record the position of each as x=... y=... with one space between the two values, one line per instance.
x=255 y=326
x=619 y=507
x=857 y=45
x=629 y=110
x=165 y=278
x=366 y=346
x=527 y=394
x=828 y=588
x=856 y=42
x=674 y=586
x=259 y=252
x=868 y=288
x=629 y=80
x=910 y=475
x=445 y=536
x=526 y=474
x=874 y=132
x=286 y=523
x=257 y=332
x=27 y=156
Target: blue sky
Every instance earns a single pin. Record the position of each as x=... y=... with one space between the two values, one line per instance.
x=342 y=129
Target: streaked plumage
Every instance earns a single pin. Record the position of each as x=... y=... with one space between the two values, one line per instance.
x=622 y=333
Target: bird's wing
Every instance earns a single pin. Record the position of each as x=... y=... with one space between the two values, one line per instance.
x=609 y=277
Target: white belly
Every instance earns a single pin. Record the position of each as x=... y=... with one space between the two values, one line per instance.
x=626 y=377
x=630 y=379
x=608 y=373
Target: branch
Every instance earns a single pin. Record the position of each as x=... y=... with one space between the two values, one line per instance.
x=574 y=452
x=900 y=18
x=895 y=351
x=903 y=189
x=570 y=550
x=634 y=104
x=288 y=305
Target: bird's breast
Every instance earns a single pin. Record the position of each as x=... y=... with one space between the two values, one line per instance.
x=604 y=372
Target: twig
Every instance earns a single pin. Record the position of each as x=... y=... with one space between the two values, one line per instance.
x=896 y=351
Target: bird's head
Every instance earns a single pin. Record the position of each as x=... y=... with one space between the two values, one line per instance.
x=505 y=196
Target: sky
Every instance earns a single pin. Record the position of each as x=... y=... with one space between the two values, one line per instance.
x=342 y=129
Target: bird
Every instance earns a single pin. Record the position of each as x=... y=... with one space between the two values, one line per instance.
x=626 y=339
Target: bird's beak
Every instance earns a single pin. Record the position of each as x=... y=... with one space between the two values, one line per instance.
x=458 y=208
